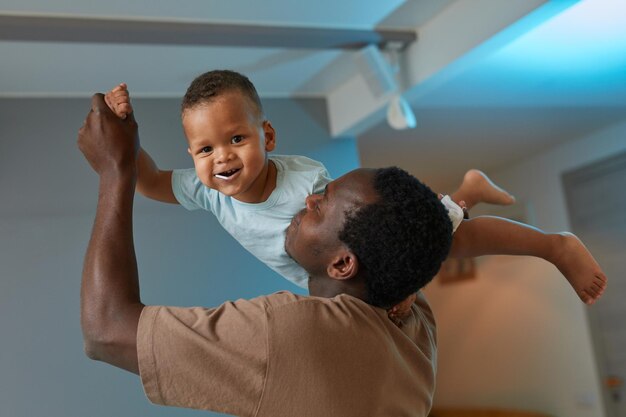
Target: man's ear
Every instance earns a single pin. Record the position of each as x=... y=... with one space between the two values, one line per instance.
x=344 y=265
x=270 y=136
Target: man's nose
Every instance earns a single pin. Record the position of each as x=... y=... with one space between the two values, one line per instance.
x=312 y=201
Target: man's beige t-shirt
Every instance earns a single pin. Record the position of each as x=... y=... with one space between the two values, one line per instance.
x=289 y=355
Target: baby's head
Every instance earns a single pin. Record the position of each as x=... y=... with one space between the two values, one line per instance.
x=210 y=85
x=228 y=134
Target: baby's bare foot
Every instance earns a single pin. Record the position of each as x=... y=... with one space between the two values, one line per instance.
x=483 y=190
x=579 y=267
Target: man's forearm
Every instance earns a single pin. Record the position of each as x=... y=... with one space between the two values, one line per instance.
x=110 y=302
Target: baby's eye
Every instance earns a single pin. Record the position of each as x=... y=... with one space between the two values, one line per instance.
x=236 y=139
x=206 y=149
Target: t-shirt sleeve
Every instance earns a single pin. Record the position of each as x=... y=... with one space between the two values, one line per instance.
x=208 y=359
x=188 y=189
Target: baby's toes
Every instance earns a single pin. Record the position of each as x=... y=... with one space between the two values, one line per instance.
x=600 y=282
x=586 y=297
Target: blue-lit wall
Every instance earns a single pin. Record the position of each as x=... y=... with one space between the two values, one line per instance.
x=185 y=258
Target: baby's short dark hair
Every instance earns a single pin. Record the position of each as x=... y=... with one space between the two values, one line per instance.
x=206 y=87
x=400 y=240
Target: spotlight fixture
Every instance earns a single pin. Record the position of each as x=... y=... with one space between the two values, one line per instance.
x=400 y=116
x=380 y=76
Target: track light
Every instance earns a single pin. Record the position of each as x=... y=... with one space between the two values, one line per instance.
x=380 y=75
x=399 y=113
x=400 y=116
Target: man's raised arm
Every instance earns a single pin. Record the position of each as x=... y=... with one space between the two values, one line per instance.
x=110 y=303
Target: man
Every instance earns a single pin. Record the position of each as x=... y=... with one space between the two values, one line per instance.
x=374 y=238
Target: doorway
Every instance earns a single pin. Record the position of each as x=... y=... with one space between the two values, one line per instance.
x=596 y=200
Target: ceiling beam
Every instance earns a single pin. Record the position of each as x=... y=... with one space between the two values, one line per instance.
x=449 y=43
x=53 y=28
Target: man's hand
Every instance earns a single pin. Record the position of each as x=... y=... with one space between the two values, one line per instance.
x=109 y=143
x=110 y=302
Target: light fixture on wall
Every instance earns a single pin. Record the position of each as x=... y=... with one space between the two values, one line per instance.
x=400 y=116
x=381 y=77
x=399 y=113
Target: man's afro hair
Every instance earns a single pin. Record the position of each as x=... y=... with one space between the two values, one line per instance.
x=401 y=240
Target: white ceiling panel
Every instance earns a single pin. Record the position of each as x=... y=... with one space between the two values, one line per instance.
x=571 y=65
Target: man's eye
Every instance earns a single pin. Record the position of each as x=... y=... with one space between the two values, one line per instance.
x=318 y=205
x=236 y=139
x=206 y=149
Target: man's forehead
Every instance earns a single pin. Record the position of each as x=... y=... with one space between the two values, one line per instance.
x=357 y=186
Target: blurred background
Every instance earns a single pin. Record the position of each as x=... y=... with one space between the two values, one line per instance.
x=532 y=92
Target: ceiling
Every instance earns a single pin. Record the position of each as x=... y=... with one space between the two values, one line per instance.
x=44 y=68
x=561 y=78
x=491 y=82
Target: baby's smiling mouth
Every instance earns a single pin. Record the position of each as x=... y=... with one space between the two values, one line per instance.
x=226 y=174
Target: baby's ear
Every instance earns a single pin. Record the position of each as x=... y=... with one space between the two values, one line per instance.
x=270 y=136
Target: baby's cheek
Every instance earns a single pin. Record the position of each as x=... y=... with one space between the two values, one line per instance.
x=204 y=173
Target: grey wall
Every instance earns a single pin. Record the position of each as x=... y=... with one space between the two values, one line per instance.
x=519 y=325
x=47 y=203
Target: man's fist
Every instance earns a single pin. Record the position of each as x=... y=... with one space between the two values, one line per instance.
x=109 y=143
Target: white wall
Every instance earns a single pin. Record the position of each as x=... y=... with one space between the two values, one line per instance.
x=517 y=336
x=47 y=204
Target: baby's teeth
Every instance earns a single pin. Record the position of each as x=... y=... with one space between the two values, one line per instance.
x=221 y=176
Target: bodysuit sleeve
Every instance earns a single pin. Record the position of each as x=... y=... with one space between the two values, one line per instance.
x=209 y=359
x=189 y=191
x=320 y=180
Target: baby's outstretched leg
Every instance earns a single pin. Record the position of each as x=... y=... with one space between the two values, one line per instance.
x=478 y=188
x=579 y=267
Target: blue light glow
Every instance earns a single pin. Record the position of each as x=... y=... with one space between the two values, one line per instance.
x=571 y=55
x=589 y=38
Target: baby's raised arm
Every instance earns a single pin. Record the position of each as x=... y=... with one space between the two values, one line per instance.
x=151 y=181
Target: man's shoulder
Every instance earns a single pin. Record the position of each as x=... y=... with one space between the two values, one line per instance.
x=299 y=310
x=288 y=310
x=276 y=299
x=286 y=300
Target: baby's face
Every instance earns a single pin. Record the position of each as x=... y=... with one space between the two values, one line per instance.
x=229 y=142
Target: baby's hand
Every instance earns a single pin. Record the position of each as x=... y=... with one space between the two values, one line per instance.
x=118 y=101
x=402 y=310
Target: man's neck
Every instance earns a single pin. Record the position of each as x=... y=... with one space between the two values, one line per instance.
x=328 y=288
